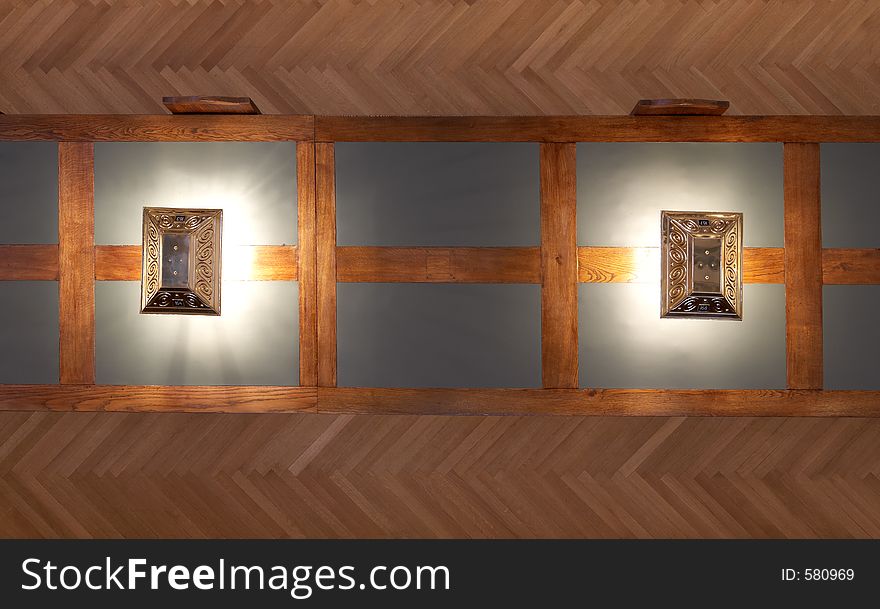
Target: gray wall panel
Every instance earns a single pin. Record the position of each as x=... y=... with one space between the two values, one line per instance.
x=622 y=187
x=439 y=335
x=29 y=332
x=253 y=182
x=254 y=342
x=624 y=343
x=851 y=336
x=850 y=195
x=28 y=192
x=437 y=193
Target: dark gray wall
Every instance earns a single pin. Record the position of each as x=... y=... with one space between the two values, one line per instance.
x=850 y=195
x=624 y=343
x=851 y=336
x=622 y=187
x=254 y=342
x=253 y=182
x=29 y=332
x=28 y=192
x=439 y=335
x=434 y=193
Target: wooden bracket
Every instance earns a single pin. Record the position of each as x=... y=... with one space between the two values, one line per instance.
x=680 y=107
x=206 y=104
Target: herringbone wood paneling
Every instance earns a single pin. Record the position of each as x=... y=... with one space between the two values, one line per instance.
x=155 y=475
x=295 y=475
x=441 y=56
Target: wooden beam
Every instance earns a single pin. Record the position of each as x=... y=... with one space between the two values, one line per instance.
x=76 y=261
x=277 y=127
x=803 y=267
x=210 y=104
x=125 y=398
x=243 y=263
x=156 y=128
x=366 y=400
x=850 y=266
x=325 y=228
x=559 y=309
x=439 y=264
x=598 y=128
x=307 y=269
x=642 y=265
x=28 y=262
x=599 y=402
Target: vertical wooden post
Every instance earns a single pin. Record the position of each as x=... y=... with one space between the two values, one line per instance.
x=803 y=267
x=559 y=310
x=325 y=192
x=76 y=261
x=307 y=264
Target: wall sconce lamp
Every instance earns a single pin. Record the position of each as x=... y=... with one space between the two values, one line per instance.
x=701 y=260
x=181 y=261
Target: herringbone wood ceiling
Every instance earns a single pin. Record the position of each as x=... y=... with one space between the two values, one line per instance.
x=441 y=56
x=151 y=475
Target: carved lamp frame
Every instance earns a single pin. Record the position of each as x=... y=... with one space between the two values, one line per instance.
x=702 y=261
x=181 y=261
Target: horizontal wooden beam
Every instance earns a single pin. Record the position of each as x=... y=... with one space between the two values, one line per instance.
x=850 y=266
x=156 y=128
x=149 y=398
x=28 y=262
x=439 y=264
x=642 y=265
x=366 y=400
x=277 y=127
x=599 y=402
x=244 y=263
x=599 y=128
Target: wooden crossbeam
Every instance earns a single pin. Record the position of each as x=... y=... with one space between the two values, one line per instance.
x=151 y=398
x=429 y=401
x=250 y=263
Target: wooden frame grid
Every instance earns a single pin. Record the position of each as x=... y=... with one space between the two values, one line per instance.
x=557 y=265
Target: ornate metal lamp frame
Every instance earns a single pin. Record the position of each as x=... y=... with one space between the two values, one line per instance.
x=679 y=297
x=197 y=290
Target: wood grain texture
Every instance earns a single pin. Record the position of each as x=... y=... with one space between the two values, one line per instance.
x=308 y=264
x=149 y=398
x=441 y=57
x=680 y=107
x=325 y=230
x=209 y=104
x=28 y=262
x=600 y=129
x=559 y=266
x=428 y=401
x=439 y=264
x=149 y=475
x=642 y=264
x=803 y=267
x=850 y=266
x=76 y=261
x=598 y=402
x=144 y=475
x=156 y=128
x=241 y=263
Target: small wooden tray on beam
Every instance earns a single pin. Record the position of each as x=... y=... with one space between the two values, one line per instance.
x=202 y=104
x=680 y=107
